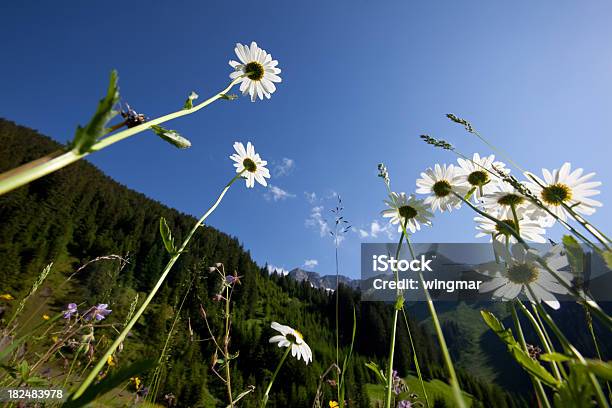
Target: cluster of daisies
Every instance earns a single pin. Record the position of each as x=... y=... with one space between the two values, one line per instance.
x=483 y=182
x=478 y=180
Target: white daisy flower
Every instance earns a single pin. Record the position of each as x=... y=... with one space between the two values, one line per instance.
x=476 y=173
x=500 y=201
x=440 y=182
x=520 y=272
x=529 y=230
x=289 y=337
x=257 y=69
x=252 y=165
x=564 y=186
x=407 y=210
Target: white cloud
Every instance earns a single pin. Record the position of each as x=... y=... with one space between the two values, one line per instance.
x=277 y=269
x=311 y=197
x=316 y=220
x=285 y=167
x=376 y=229
x=276 y=193
x=310 y=263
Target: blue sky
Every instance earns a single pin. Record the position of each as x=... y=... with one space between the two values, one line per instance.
x=361 y=81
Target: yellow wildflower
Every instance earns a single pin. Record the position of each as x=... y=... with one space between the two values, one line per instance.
x=46 y=316
x=7 y=296
x=333 y=404
x=136 y=382
x=110 y=361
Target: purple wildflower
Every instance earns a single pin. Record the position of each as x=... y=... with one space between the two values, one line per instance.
x=232 y=279
x=98 y=312
x=72 y=310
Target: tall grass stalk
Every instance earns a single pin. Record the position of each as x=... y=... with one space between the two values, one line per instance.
x=39 y=281
x=415 y=358
x=157 y=374
x=36 y=169
x=537 y=384
x=98 y=367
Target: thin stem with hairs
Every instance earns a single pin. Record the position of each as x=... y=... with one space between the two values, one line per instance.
x=98 y=367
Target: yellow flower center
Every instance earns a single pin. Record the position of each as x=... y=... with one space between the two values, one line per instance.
x=478 y=178
x=502 y=229
x=254 y=70
x=295 y=336
x=510 y=199
x=555 y=194
x=441 y=188
x=407 y=212
x=522 y=273
x=249 y=165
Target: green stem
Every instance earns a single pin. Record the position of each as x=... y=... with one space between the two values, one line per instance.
x=454 y=381
x=226 y=356
x=591 y=304
x=29 y=172
x=568 y=347
x=94 y=372
x=415 y=358
x=544 y=338
x=264 y=400
x=537 y=384
x=600 y=236
x=389 y=390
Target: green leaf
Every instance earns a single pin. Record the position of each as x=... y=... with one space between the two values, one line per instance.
x=533 y=367
x=557 y=357
x=85 y=137
x=602 y=369
x=575 y=392
x=575 y=255
x=229 y=97
x=243 y=394
x=379 y=373
x=14 y=344
x=399 y=302
x=504 y=334
x=468 y=195
x=171 y=136
x=110 y=382
x=167 y=237
x=520 y=355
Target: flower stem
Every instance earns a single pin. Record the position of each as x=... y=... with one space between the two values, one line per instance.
x=94 y=372
x=394 y=328
x=226 y=356
x=36 y=169
x=264 y=400
x=568 y=347
x=544 y=338
x=454 y=381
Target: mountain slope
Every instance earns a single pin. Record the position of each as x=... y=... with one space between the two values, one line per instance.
x=78 y=214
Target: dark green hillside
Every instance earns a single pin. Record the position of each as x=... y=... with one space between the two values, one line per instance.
x=78 y=214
